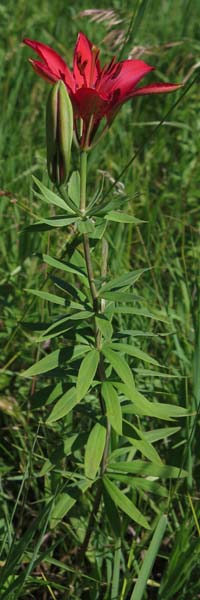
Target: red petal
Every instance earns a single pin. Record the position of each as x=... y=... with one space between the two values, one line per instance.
x=88 y=102
x=83 y=62
x=43 y=71
x=56 y=66
x=124 y=76
x=156 y=88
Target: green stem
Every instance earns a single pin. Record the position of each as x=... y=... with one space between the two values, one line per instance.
x=98 y=308
x=83 y=180
x=90 y=273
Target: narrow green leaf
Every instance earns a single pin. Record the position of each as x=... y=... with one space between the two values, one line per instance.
x=148 y=469
x=148 y=485
x=49 y=196
x=94 y=450
x=124 y=503
x=59 y=221
x=63 y=406
x=63 y=504
x=120 y=366
x=141 y=406
x=142 y=312
x=121 y=217
x=149 y=372
x=116 y=296
x=53 y=392
x=149 y=559
x=68 y=267
x=68 y=288
x=160 y=434
x=113 y=407
x=37 y=226
x=116 y=571
x=105 y=327
x=133 y=351
x=47 y=296
x=74 y=188
x=151 y=409
x=78 y=351
x=46 y=364
x=125 y=280
x=86 y=373
x=141 y=444
x=140 y=333
x=59 y=323
x=57 y=331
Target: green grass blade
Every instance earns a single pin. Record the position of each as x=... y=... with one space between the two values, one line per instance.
x=116 y=571
x=149 y=560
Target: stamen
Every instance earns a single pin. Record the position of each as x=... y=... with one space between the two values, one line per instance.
x=110 y=66
x=106 y=72
x=95 y=53
x=81 y=66
x=117 y=71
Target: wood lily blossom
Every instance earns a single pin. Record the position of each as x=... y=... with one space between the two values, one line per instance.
x=95 y=91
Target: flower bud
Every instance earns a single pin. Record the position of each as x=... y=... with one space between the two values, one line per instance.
x=59 y=133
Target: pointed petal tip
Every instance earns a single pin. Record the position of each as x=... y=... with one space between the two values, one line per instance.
x=82 y=37
x=157 y=88
x=52 y=66
x=29 y=42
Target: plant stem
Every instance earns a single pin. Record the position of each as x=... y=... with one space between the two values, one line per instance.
x=83 y=178
x=98 y=308
x=90 y=273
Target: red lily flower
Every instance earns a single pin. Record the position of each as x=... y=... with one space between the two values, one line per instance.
x=95 y=92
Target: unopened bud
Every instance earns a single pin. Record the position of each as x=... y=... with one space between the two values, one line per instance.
x=59 y=133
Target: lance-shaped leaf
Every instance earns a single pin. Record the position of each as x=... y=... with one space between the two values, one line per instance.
x=63 y=406
x=137 y=439
x=120 y=366
x=113 y=407
x=47 y=296
x=59 y=325
x=125 y=280
x=86 y=373
x=148 y=469
x=142 y=312
x=59 y=221
x=63 y=266
x=105 y=327
x=74 y=188
x=141 y=406
x=46 y=364
x=134 y=351
x=126 y=505
x=50 y=197
x=121 y=217
x=94 y=450
x=63 y=504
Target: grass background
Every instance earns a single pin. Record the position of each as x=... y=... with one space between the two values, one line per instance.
x=163 y=182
